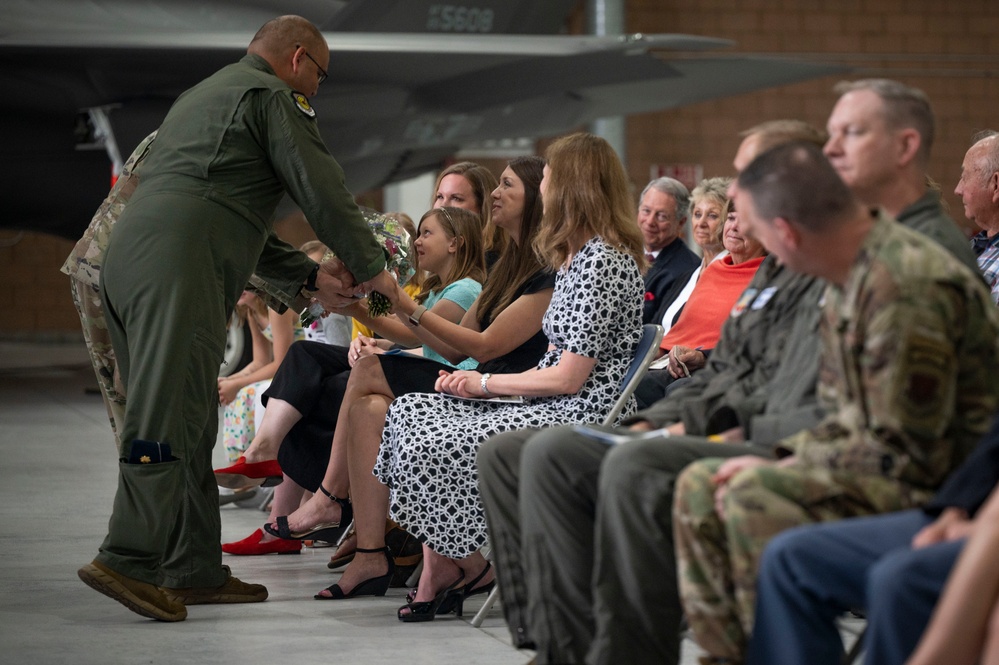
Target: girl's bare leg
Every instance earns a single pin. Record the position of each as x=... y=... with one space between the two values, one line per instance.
x=279 y=418
x=286 y=498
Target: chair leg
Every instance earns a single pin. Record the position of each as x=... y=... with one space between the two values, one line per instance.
x=486 y=606
x=855 y=650
x=414 y=579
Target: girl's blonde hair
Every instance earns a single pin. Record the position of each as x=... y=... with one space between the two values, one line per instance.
x=465 y=228
x=586 y=194
x=243 y=311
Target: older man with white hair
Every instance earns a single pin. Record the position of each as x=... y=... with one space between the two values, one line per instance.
x=979 y=191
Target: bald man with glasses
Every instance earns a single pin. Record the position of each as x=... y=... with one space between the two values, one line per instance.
x=199 y=223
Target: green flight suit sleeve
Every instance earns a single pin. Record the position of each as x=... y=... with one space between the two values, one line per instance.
x=283 y=267
x=315 y=181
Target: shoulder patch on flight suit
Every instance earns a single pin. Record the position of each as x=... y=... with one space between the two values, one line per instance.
x=764 y=297
x=743 y=302
x=302 y=102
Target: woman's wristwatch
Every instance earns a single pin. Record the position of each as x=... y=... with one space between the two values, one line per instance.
x=482 y=383
x=414 y=318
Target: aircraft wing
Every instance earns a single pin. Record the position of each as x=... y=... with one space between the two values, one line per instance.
x=396 y=105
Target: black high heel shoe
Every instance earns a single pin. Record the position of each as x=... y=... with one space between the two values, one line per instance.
x=327 y=531
x=373 y=586
x=462 y=594
x=427 y=610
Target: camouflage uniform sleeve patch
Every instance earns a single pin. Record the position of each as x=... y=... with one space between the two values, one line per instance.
x=926 y=369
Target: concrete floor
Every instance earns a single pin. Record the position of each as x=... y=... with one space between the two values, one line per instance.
x=58 y=469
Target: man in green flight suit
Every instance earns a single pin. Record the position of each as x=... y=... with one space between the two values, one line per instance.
x=197 y=226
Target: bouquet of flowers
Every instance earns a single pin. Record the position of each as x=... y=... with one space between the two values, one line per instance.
x=395 y=242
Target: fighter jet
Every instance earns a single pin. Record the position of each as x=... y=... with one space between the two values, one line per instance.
x=411 y=83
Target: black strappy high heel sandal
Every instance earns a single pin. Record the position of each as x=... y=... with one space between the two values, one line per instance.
x=326 y=531
x=457 y=600
x=468 y=590
x=427 y=610
x=373 y=586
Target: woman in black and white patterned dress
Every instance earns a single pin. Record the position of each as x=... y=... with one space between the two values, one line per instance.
x=427 y=456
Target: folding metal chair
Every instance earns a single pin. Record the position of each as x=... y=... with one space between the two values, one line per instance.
x=652 y=334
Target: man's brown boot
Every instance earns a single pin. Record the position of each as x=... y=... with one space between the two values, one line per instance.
x=140 y=597
x=230 y=591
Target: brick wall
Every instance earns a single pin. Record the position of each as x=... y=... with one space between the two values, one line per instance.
x=949 y=49
x=35 y=300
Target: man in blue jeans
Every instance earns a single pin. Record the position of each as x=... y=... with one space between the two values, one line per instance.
x=892 y=566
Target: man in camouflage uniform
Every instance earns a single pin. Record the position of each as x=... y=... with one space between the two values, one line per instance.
x=909 y=356
x=197 y=226
x=83 y=265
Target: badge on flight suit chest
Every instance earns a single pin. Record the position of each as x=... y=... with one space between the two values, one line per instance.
x=302 y=102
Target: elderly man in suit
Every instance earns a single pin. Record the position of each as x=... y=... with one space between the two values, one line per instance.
x=662 y=211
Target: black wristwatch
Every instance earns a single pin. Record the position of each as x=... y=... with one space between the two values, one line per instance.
x=310 y=281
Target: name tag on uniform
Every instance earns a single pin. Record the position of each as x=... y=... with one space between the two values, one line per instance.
x=764 y=297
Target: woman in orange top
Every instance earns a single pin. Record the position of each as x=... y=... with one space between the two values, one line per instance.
x=685 y=347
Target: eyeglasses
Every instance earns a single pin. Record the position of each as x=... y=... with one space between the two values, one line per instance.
x=322 y=72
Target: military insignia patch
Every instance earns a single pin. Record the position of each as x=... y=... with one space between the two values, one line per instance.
x=302 y=102
x=740 y=306
x=764 y=297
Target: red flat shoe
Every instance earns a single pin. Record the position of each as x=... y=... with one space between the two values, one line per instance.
x=253 y=544
x=235 y=476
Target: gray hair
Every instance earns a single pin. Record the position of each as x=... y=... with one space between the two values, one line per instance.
x=714 y=190
x=674 y=188
x=905 y=107
x=992 y=154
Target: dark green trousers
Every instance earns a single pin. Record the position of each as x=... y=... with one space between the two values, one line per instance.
x=583 y=542
x=173 y=271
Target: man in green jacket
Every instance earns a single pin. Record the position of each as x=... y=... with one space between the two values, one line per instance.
x=197 y=226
